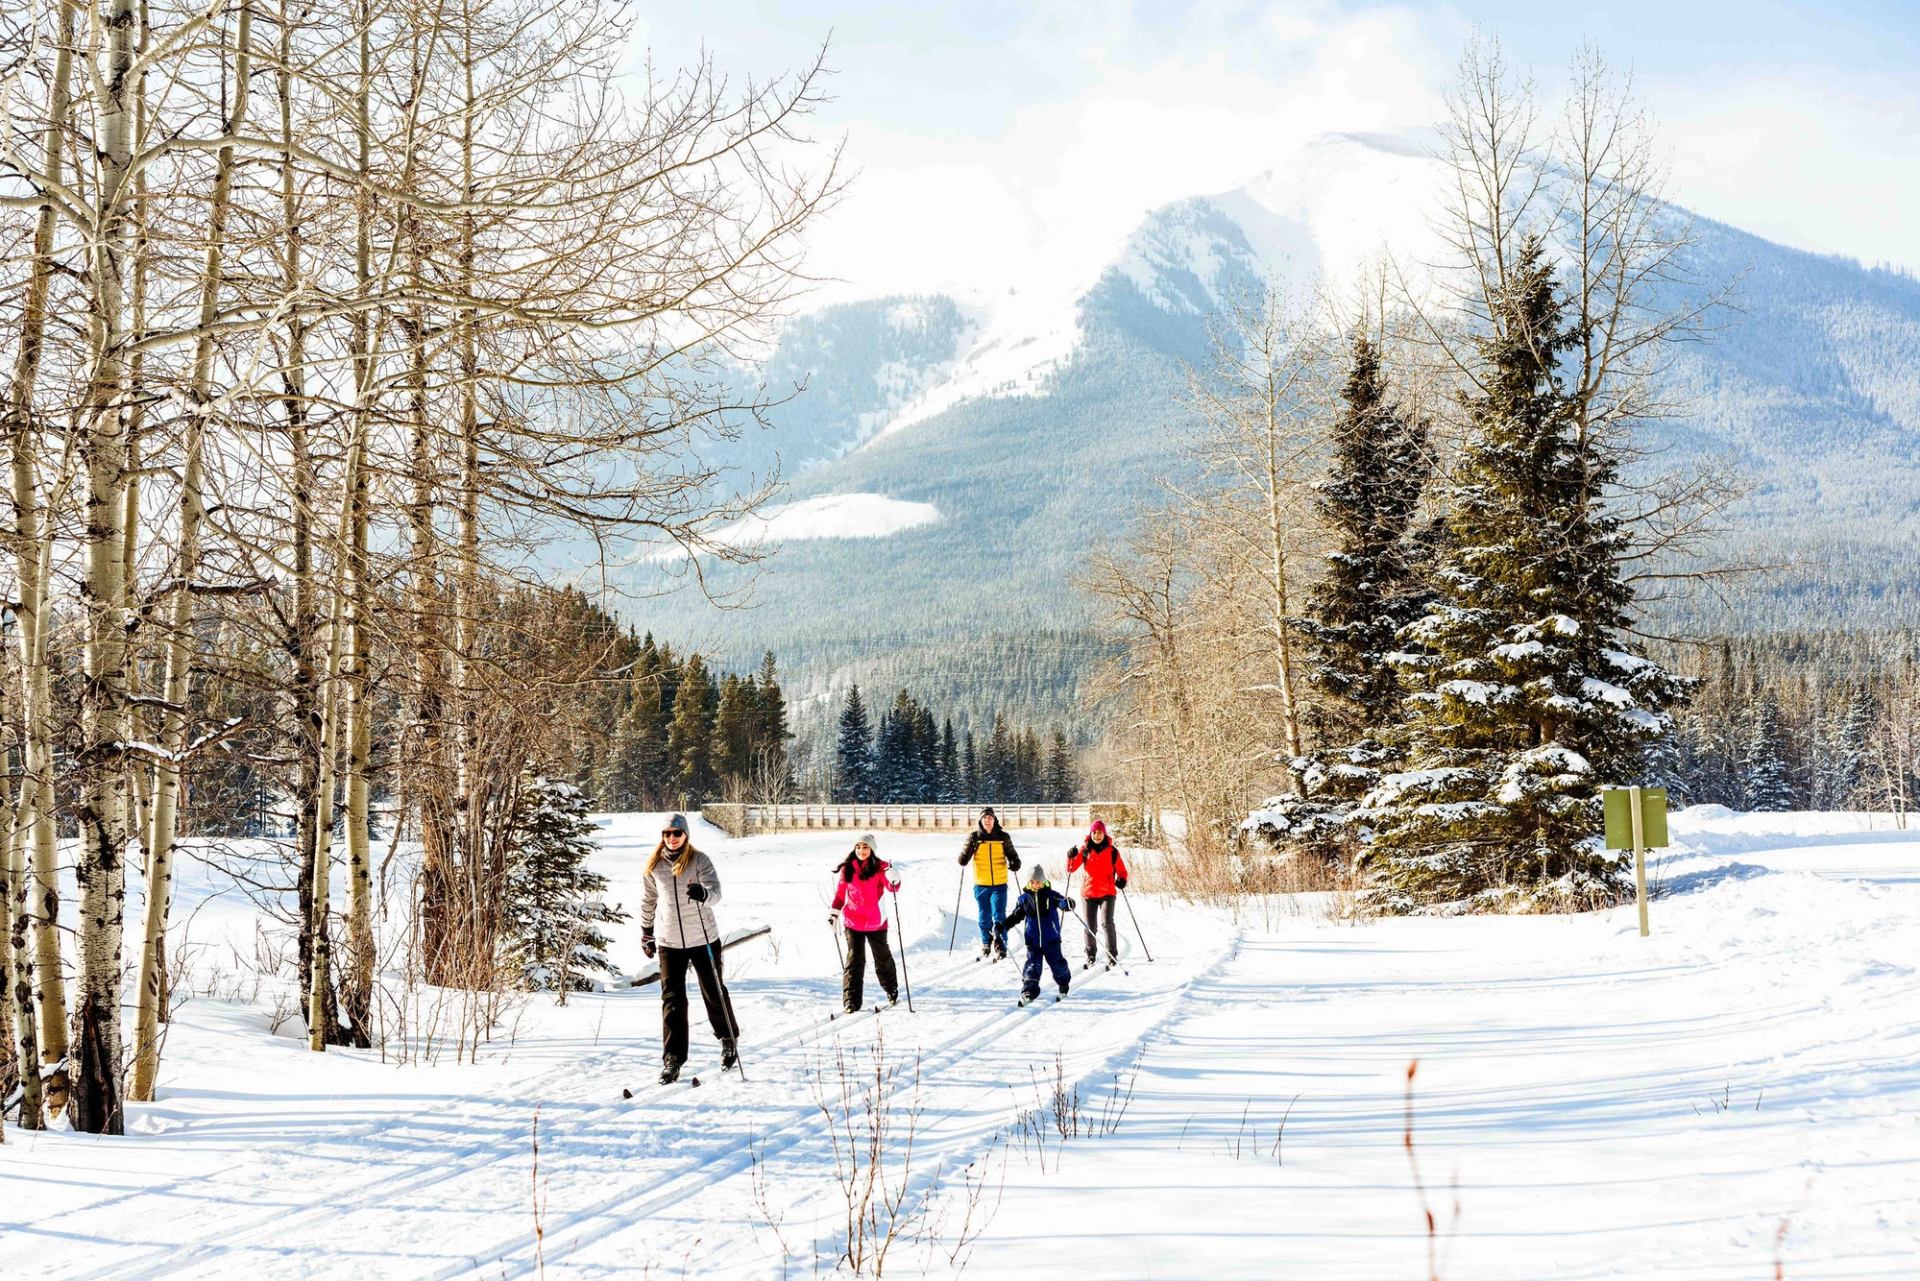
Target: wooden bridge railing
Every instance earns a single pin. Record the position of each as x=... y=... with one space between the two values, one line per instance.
x=742 y=820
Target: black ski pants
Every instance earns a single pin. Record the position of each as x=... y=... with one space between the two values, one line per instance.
x=1096 y=907
x=859 y=943
x=673 y=998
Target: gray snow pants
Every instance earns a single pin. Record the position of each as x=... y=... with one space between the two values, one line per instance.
x=1095 y=906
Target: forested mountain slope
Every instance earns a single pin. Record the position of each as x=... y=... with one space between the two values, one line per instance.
x=1036 y=431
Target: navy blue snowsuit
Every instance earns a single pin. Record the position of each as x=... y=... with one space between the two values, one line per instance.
x=1043 y=938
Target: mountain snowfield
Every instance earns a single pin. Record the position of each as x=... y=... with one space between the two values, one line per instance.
x=1039 y=419
x=1737 y=1096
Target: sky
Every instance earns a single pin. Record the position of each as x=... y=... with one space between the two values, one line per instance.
x=996 y=142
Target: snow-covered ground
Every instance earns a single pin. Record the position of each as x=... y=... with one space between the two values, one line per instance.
x=1736 y=1094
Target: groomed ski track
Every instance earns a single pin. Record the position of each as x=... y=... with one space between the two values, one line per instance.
x=666 y=1178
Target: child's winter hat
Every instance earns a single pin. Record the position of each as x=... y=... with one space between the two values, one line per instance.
x=1099 y=828
x=1038 y=876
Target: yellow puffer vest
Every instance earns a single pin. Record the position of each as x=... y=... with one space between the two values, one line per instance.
x=990 y=861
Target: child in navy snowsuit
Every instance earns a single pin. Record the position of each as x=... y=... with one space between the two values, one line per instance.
x=1040 y=908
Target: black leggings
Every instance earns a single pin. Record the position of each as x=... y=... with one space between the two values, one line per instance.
x=859 y=943
x=673 y=998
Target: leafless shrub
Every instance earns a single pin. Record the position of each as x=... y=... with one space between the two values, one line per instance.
x=872 y=1112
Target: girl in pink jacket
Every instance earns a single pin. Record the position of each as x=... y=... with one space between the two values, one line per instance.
x=862 y=879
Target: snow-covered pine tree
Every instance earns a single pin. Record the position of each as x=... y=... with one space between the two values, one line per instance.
x=1766 y=786
x=1374 y=584
x=1524 y=699
x=853 y=753
x=555 y=917
x=1854 y=750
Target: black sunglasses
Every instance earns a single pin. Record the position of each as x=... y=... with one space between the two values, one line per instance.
x=672 y=832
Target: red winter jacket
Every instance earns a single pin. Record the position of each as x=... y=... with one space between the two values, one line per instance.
x=1103 y=863
x=858 y=899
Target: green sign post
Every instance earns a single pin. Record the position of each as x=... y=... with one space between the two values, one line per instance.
x=1636 y=820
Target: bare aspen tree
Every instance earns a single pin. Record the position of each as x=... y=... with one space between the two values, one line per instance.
x=16 y=949
x=102 y=812
x=179 y=638
x=32 y=556
x=1593 y=183
x=1260 y=402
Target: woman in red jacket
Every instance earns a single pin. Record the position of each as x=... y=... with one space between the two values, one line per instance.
x=1106 y=876
x=857 y=903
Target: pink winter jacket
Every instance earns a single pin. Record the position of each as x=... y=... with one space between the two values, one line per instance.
x=858 y=900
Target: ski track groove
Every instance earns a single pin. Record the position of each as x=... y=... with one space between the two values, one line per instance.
x=167 y=1261
x=621 y=1210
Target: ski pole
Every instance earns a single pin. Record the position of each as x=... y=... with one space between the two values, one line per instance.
x=904 y=976
x=726 y=998
x=1136 y=924
x=958 y=892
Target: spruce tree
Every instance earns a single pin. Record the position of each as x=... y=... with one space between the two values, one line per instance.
x=1375 y=583
x=733 y=726
x=953 y=783
x=970 y=786
x=1767 y=787
x=1854 y=750
x=926 y=749
x=996 y=763
x=853 y=753
x=1060 y=785
x=770 y=729
x=1524 y=699
x=658 y=667
x=553 y=912
x=690 y=734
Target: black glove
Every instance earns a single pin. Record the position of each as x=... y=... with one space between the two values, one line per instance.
x=696 y=893
x=1120 y=881
x=647 y=945
x=1068 y=903
x=966 y=857
x=1013 y=861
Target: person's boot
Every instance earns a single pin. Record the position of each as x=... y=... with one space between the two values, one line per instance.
x=729 y=1054
x=670 y=1072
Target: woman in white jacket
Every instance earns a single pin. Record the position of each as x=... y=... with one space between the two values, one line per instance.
x=687 y=935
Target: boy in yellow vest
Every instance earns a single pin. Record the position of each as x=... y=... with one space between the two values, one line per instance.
x=990 y=850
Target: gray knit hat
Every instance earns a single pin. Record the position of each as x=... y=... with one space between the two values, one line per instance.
x=678 y=823
x=1038 y=873
x=869 y=841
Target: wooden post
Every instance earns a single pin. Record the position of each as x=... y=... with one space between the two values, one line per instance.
x=1639 y=858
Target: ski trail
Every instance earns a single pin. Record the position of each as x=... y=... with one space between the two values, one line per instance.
x=969 y=1114
x=503 y=1137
